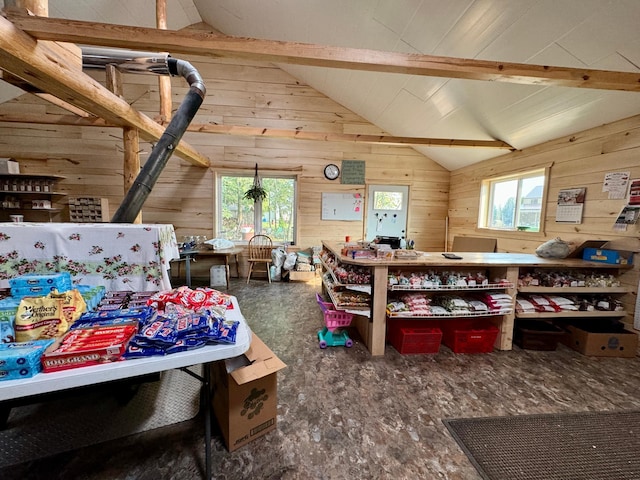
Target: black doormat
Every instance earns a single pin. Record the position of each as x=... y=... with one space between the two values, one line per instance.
x=580 y=446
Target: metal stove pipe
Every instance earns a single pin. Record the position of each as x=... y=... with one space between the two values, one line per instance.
x=144 y=62
x=127 y=61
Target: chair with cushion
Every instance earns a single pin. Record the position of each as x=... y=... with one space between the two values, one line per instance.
x=260 y=247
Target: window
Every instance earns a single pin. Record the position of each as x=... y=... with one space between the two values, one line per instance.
x=387 y=200
x=238 y=219
x=513 y=202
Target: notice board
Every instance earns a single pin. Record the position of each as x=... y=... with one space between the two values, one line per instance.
x=342 y=206
x=353 y=172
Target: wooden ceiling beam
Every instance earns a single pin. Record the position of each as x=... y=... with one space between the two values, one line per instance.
x=216 y=45
x=268 y=132
x=43 y=66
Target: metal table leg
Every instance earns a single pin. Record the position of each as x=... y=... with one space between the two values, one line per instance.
x=206 y=398
x=205 y=404
x=187 y=269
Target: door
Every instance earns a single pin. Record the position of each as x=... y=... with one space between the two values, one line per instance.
x=387 y=211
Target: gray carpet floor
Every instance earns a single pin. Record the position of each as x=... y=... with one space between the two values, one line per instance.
x=345 y=415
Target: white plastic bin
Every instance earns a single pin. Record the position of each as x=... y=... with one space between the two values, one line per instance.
x=218 y=276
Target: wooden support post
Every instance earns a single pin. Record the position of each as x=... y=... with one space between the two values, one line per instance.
x=130 y=136
x=131 y=167
x=37 y=7
x=164 y=82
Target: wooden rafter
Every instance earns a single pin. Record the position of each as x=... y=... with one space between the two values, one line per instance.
x=44 y=66
x=215 y=45
x=269 y=132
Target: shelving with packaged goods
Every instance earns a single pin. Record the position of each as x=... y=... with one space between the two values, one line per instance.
x=441 y=293
x=570 y=293
x=348 y=287
x=499 y=265
x=31 y=195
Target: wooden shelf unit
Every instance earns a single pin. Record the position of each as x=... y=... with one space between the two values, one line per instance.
x=503 y=265
x=31 y=195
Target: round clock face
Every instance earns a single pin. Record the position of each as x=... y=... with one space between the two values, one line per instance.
x=331 y=171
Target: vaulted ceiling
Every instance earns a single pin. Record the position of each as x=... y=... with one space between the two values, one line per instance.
x=579 y=34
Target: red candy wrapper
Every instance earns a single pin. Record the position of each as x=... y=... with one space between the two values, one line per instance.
x=88 y=346
x=201 y=297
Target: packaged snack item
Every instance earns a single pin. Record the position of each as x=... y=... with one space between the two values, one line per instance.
x=8 y=310
x=40 y=318
x=60 y=281
x=185 y=344
x=223 y=331
x=135 y=350
x=17 y=355
x=17 y=373
x=88 y=346
x=73 y=305
x=109 y=317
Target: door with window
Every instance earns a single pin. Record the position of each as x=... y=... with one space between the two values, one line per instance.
x=387 y=207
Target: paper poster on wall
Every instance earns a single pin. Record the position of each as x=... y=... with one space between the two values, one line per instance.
x=634 y=192
x=570 y=205
x=630 y=213
x=342 y=206
x=616 y=184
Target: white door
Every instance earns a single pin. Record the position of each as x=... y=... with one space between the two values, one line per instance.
x=387 y=211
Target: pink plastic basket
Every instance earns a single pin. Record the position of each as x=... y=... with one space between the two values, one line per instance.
x=333 y=318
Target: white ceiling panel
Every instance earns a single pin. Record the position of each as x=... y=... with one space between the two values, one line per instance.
x=600 y=34
x=431 y=23
x=607 y=30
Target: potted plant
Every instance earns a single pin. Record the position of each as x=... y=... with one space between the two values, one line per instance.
x=256 y=192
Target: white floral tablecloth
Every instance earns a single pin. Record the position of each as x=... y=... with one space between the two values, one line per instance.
x=120 y=256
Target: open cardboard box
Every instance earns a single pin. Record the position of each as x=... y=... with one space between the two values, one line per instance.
x=245 y=397
x=606 y=340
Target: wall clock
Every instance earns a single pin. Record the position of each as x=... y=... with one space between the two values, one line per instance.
x=331 y=171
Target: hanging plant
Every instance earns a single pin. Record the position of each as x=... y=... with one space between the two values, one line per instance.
x=256 y=192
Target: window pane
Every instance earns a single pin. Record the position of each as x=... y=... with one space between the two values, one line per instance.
x=278 y=209
x=235 y=213
x=530 y=204
x=503 y=204
x=387 y=200
x=239 y=218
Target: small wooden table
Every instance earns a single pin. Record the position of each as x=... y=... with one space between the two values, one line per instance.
x=224 y=253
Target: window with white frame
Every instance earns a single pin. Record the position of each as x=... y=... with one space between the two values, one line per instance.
x=238 y=218
x=514 y=202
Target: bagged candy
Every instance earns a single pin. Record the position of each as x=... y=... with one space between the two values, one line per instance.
x=40 y=318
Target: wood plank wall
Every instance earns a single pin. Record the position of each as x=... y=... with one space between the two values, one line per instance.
x=579 y=160
x=238 y=93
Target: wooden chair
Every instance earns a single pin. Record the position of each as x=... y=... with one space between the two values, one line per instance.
x=260 y=247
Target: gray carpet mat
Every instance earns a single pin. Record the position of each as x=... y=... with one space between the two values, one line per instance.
x=87 y=417
x=581 y=446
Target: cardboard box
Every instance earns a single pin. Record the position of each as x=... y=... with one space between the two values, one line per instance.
x=245 y=397
x=537 y=335
x=619 y=342
x=614 y=257
x=9 y=166
x=296 y=276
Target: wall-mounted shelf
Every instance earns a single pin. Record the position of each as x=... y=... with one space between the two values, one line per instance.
x=33 y=196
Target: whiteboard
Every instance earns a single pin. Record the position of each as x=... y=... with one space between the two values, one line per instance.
x=342 y=206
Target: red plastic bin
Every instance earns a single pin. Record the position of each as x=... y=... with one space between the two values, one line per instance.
x=408 y=340
x=465 y=337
